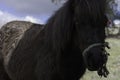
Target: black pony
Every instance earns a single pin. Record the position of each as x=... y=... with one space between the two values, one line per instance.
x=72 y=40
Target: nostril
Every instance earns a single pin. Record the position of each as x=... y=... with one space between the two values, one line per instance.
x=102 y=49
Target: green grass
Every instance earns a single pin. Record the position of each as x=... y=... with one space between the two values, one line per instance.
x=113 y=64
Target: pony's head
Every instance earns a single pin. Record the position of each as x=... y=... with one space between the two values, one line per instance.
x=89 y=26
x=80 y=23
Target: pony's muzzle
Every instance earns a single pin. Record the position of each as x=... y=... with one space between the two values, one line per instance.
x=95 y=56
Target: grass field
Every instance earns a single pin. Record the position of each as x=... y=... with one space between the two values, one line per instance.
x=113 y=63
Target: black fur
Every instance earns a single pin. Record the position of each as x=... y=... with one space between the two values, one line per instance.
x=55 y=53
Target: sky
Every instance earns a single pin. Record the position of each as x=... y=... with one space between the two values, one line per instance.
x=37 y=11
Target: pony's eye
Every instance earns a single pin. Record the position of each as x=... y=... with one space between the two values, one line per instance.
x=109 y=23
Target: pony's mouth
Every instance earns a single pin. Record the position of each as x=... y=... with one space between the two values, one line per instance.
x=95 y=57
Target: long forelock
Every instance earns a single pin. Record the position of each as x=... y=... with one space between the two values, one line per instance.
x=93 y=9
x=59 y=27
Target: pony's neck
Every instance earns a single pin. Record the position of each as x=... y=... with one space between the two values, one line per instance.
x=58 y=30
